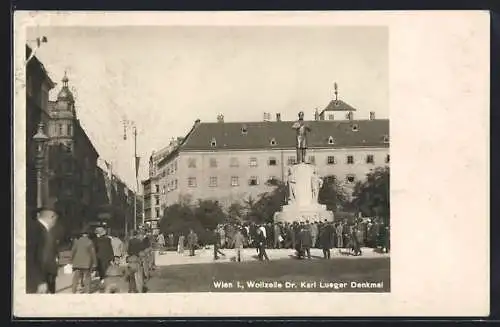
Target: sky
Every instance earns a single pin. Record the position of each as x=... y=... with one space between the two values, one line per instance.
x=164 y=78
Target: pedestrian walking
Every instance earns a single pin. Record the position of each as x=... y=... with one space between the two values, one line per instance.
x=104 y=252
x=118 y=248
x=325 y=239
x=305 y=241
x=340 y=236
x=261 y=241
x=192 y=242
x=277 y=236
x=161 y=243
x=134 y=271
x=238 y=242
x=115 y=281
x=216 y=241
x=354 y=240
x=83 y=260
x=147 y=254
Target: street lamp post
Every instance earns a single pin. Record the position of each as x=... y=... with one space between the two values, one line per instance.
x=40 y=140
x=136 y=180
x=136 y=163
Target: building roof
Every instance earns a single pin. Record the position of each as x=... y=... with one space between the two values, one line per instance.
x=260 y=135
x=338 y=105
x=79 y=127
x=34 y=62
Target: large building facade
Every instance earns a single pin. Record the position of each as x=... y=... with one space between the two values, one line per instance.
x=70 y=177
x=233 y=161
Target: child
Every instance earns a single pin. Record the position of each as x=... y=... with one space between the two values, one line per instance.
x=115 y=281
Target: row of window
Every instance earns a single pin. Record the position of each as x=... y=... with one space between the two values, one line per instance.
x=62 y=129
x=235 y=181
x=252 y=181
x=170 y=170
x=331 y=140
x=272 y=161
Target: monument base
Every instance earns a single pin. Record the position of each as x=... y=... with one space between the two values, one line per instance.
x=311 y=213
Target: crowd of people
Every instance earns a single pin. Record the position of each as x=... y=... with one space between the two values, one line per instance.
x=125 y=265
x=120 y=265
x=116 y=265
x=348 y=237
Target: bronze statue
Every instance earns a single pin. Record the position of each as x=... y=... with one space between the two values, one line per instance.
x=302 y=129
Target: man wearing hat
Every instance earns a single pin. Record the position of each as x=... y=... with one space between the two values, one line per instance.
x=104 y=252
x=83 y=259
x=41 y=251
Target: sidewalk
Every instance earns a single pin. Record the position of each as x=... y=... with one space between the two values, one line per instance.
x=250 y=254
x=170 y=258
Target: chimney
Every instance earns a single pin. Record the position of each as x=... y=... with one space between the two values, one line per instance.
x=220 y=118
x=278 y=117
x=372 y=115
x=316 y=114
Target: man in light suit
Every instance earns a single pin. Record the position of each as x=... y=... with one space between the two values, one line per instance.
x=41 y=252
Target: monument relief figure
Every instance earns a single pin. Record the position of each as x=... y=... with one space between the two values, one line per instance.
x=301 y=129
x=316 y=184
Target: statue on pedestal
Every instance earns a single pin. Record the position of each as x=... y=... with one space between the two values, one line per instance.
x=301 y=129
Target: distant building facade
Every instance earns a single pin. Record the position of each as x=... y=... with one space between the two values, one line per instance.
x=152 y=192
x=116 y=207
x=231 y=162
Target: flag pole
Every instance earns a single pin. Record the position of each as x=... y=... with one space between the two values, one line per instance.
x=136 y=180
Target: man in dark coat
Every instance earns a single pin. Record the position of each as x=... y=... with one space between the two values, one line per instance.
x=269 y=235
x=104 y=252
x=305 y=241
x=325 y=239
x=41 y=252
x=355 y=246
x=192 y=239
x=261 y=243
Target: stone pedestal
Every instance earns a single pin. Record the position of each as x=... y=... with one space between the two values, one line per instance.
x=291 y=213
x=303 y=204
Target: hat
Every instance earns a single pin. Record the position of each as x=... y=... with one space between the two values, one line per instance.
x=84 y=230
x=100 y=231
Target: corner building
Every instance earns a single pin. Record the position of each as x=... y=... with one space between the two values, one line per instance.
x=233 y=161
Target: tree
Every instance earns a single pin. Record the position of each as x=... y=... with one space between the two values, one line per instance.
x=264 y=208
x=332 y=194
x=178 y=219
x=201 y=217
x=235 y=212
x=209 y=213
x=371 y=196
